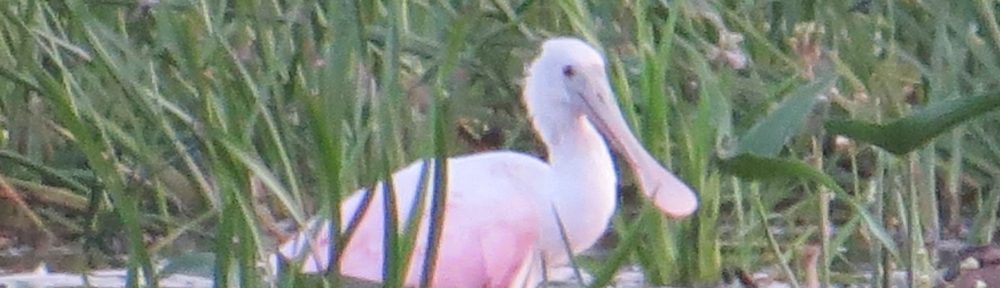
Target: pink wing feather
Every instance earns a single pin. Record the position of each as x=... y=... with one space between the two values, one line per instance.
x=490 y=226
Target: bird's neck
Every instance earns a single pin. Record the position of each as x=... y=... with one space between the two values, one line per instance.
x=583 y=187
x=576 y=144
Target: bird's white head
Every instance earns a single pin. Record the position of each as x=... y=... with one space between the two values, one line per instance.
x=568 y=81
x=563 y=65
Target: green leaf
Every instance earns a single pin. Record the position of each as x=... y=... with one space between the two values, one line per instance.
x=911 y=132
x=769 y=135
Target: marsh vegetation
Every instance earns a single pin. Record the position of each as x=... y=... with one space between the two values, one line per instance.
x=855 y=134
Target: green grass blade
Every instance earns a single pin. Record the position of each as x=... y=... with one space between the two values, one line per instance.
x=580 y=18
x=441 y=115
x=758 y=206
x=769 y=135
x=627 y=244
x=394 y=261
x=268 y=178
x=911 y=132
x=762 y=168
x=94 y=144
x=566 y=247
x=274 y=133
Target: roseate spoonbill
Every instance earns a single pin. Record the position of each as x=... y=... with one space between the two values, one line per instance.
x=502 y=206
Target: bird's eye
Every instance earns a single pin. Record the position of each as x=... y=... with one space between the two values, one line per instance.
x=568 y=71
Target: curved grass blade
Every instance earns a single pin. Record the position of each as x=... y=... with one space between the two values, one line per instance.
x=269 y=179
x=763 y=168
x=53 y=175
x=273 y=132
x=909 y=133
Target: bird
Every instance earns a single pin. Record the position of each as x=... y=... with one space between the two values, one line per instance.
x=506 y=212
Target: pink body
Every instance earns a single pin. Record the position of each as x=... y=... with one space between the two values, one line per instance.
x=488 y=231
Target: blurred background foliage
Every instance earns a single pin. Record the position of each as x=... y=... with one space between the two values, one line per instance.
x=159 y=128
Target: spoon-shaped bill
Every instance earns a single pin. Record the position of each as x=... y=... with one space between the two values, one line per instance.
x=669 y=193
